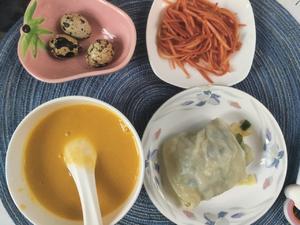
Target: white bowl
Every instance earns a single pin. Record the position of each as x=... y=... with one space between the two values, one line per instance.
x=194 y=108
x=17 y=184
x=240 y=62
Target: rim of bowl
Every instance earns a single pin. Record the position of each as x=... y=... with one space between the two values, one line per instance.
x=139 y=183
x=222 y=88
x=98 y=72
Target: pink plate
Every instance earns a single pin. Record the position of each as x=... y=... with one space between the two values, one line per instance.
x=107 y=21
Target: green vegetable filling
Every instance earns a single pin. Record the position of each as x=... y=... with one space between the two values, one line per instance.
x=239 y=138
x=245 y=125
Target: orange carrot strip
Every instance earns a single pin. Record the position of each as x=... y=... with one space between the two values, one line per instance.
x=198 y=33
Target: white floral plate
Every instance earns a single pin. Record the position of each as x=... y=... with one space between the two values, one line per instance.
x=194 y=108
x=241 y=62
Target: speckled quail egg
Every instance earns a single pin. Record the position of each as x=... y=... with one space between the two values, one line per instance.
x=100 y=53
x=63 y=46
x=75 y=25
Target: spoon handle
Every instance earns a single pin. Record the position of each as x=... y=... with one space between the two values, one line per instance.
x=86 y=185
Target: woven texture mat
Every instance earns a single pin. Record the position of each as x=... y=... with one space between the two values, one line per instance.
x=135 y=90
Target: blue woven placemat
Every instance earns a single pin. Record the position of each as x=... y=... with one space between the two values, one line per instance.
x=274 y=80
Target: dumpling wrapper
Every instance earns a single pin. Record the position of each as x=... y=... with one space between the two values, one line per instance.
x=198 y=166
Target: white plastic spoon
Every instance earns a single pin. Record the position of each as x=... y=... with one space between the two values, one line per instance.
x=80 y=158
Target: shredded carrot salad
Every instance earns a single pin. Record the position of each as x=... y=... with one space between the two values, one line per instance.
x=198 y=33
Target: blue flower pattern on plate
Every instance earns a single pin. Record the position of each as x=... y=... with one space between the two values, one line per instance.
x=205 y=97
x=150 y=156
x=220 y=218
x=237 y=215
x=187 y=103
x=272 y=152
x=147 y=160
x=276 y=160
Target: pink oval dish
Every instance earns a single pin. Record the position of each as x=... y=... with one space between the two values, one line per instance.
x=43 y=16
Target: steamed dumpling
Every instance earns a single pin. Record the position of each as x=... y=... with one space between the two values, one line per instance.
x=198 y=166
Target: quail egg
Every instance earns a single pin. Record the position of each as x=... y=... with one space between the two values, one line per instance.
x=75 y=25
x=100 y=53
x=63 y=46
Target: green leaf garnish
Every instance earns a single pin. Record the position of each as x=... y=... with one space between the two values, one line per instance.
x=40 y=43
x=26 y=40
x=34 y=45
x=37 y=21
x=42 y=31
x=29 y=12
x=32 y=30
x=245 y=125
